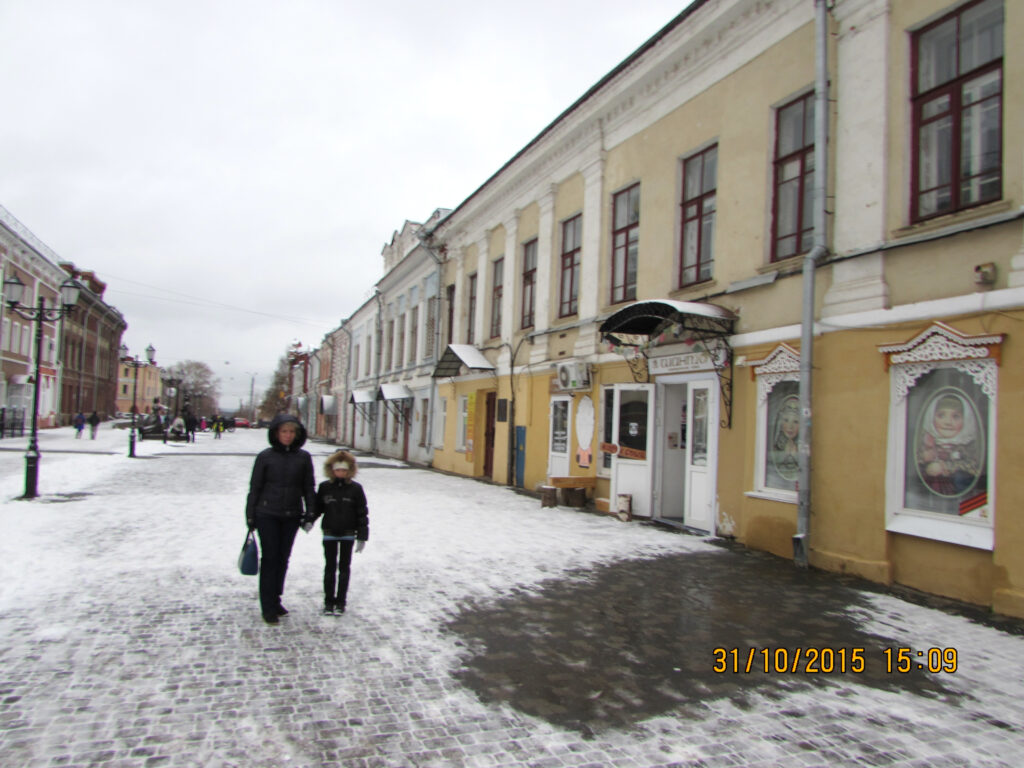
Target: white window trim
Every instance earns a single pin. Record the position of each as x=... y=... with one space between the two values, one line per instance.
x=782 y=364
x=463 y=417
x=968 y=532
x=440 y=422
x=939 y=346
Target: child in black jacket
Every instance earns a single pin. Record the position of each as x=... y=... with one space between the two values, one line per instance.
x=345 y=524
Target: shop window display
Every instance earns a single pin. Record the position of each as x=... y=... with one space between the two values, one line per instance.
x=945 y=457
x=940 y=469
x=778 y=424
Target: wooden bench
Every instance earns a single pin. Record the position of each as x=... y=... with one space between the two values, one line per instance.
x=574 y=489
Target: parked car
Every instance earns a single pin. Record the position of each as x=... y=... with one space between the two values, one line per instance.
x=240 y=422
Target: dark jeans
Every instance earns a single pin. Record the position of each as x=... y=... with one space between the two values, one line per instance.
x=277 y=534
x=337 y=559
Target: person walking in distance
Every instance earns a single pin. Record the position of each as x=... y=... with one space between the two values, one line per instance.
x=346 y=523
x=79 y=424
x=282 y=494
x=94 y=422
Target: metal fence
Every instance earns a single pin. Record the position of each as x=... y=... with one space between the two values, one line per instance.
x=12 y=422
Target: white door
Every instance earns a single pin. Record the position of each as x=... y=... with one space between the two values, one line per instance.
x=701 y=450
x=673 y=431
x=558 y=437
x=633 y=460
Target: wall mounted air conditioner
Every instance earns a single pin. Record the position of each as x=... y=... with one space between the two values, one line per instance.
x=573 y=375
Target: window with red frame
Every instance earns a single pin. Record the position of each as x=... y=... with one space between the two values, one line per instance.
x=529 y=281
x=793 y=225
x=471 y=309
x=625 y=243
x=957 y=110
x=497 y=284
x=700 y=181
x=569 y=284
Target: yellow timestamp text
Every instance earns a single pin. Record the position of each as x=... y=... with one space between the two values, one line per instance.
x=829 y=660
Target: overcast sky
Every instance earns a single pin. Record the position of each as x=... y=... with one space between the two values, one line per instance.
x=232 y=170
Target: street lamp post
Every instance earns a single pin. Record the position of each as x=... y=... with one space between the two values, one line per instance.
x=14 y=290
x=135 y=363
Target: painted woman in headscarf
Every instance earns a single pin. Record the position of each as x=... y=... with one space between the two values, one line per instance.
x=949 y=444
x=785 y=439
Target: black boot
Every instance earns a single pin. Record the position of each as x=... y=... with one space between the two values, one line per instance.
x=328 y=608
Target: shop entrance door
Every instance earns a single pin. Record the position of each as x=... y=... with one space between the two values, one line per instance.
x=558 y=442
x=687 y=431
x=632 y=461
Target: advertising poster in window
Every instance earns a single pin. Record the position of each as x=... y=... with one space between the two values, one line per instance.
x=633 y=425
x=560 y=426
x=946 y=463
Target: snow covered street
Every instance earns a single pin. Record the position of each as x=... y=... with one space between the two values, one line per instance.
x=482 y=630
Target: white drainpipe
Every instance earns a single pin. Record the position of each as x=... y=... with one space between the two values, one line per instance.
x=803 y=519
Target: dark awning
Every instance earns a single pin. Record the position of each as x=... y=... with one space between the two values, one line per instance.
x=637 y=326
x=652 y=318
x=458 y=355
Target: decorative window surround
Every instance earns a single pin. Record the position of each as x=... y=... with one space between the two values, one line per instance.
x=940 y=479
x=776 y=463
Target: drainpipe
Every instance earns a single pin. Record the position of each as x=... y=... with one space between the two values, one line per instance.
x=378 y=341
x=425 y=241
x=803 y=519
x=343 y=406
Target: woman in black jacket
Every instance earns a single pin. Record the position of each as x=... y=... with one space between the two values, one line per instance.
x=281 y=496
x=346 y=522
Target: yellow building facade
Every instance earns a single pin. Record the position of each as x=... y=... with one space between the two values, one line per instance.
x=631 y=288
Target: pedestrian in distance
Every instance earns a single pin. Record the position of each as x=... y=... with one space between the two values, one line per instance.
x=94 y=422
x=346 y=524
x=218 y=426
x=190 y=425
x=282 y=494
x=79 y=423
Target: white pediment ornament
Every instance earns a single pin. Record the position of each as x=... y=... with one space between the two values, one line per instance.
x=782 y=364
x=977 y=356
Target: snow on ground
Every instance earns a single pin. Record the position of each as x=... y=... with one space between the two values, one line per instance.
x=121 y=581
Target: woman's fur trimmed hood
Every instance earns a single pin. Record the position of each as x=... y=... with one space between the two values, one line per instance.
x=340 y=456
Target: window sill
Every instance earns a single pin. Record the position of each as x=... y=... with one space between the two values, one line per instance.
x=952 y=220
x=926 y=526
x=790 y=262
x=782 y=497
x=703 y=286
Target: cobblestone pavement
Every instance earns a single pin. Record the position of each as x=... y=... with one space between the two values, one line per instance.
x=482 y=631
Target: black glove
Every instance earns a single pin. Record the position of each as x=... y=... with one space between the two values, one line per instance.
x=251 y=523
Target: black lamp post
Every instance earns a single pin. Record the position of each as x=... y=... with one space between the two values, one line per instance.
x=14 y=290
x=135 y=363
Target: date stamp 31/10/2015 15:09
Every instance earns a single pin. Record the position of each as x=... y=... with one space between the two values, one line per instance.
x=827 y=661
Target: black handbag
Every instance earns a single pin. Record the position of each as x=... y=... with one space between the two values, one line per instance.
x=249 y=557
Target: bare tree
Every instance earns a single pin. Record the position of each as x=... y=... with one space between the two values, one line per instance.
x=196 y=386
x=275 y=397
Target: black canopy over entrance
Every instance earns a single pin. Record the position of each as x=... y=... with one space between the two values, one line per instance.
x=633 y=328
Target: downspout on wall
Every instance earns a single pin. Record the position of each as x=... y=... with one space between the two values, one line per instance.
x=425 y=241
x=378 y=357
x=821 y=115
x=341 y=428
